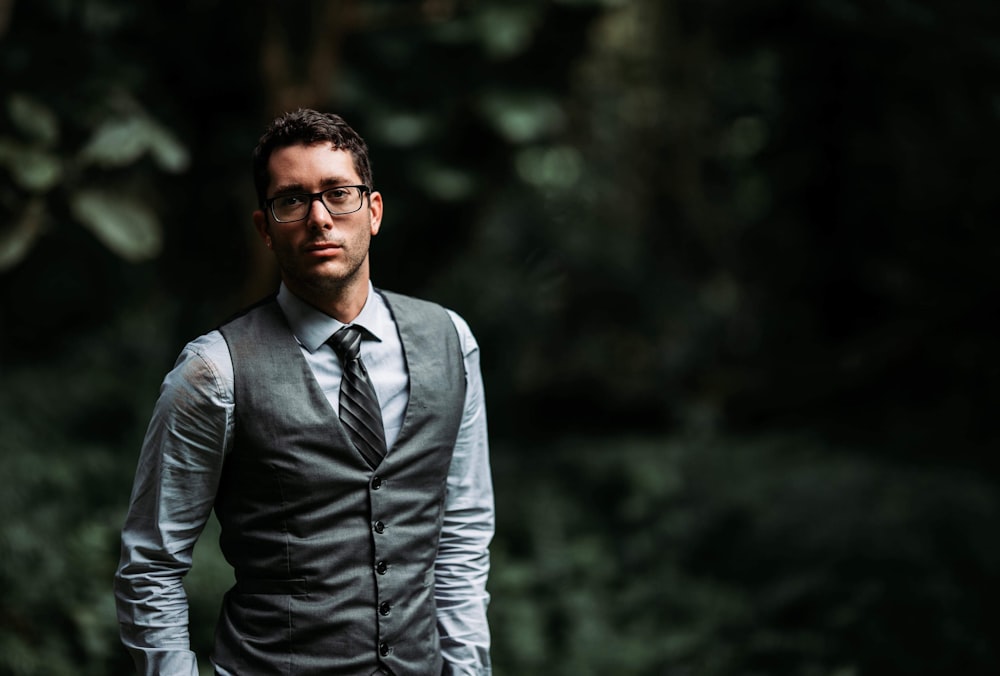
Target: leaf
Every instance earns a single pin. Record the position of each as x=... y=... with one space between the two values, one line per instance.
x=116 y=143
x=34 y=119
x=32 y=168
x=522 y=118
x=556 y=167
x=166 y=150
x=402 y=129
x=507 y=31
x=445 y=183
x=122 y=223
x=16 y=243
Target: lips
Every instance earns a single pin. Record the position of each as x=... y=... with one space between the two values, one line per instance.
x=323 y=246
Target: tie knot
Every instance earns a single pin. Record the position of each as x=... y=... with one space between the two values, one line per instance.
x=347 y=343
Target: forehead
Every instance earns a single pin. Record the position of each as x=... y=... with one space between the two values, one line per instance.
x=310 y=166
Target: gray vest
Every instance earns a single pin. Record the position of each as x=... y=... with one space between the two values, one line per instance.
x=334 y=562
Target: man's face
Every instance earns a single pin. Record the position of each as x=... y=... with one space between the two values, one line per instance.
x=320 y=254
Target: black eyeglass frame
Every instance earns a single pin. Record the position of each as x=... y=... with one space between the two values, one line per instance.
x=269 y=203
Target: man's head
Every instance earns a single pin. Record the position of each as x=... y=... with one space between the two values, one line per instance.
x=317 y=166
x=308 y=127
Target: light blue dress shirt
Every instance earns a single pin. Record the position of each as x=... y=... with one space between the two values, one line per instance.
x=189 y=435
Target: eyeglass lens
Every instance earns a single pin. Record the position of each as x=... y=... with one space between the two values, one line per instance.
x=342 y=200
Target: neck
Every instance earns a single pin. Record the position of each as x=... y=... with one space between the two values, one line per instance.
x=342 y=302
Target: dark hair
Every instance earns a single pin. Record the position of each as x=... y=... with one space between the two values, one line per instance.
x=306 y=126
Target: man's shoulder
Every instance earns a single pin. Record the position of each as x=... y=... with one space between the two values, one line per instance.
x=204 y=366
x=402 y=306
x=423 y=308
x=394 y=297
x=243 y=313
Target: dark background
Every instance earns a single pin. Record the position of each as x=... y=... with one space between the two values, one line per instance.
x=732 y=266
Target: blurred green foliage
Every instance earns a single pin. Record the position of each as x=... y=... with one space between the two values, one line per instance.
x=781 y=555
x=731 y=266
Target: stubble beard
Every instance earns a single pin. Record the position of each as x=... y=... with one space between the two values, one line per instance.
x=318 y=283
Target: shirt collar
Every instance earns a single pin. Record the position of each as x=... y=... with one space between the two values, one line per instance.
x=312 y=327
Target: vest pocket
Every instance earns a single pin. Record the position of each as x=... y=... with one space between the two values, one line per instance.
x=286 y=586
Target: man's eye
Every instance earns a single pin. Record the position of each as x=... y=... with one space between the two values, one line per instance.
x=289 y=200
x=337 y=194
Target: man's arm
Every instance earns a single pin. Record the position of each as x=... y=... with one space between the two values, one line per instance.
x=172 y=498
x=463 y=560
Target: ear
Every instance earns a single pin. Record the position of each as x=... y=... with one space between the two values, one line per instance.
x=262 y=226
x=375 y=211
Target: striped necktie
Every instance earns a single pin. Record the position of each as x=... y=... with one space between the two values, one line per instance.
x=359 y=407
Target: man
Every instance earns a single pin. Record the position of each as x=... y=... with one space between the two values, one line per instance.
x=358 y=536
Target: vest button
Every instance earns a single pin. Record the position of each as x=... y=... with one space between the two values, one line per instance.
x=379 y=527
x=385 y=608
x=376 y=483
x=384 y=649
x=381 y=567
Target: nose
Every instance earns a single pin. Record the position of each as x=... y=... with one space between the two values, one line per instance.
x=319 y=217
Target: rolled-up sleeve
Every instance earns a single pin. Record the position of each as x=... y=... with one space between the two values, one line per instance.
x=172 y=497
x=463 y=560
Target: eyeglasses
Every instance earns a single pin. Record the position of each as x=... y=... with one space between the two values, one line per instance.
x=344 y=199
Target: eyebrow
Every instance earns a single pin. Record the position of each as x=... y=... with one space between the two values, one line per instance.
x=325 y=184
